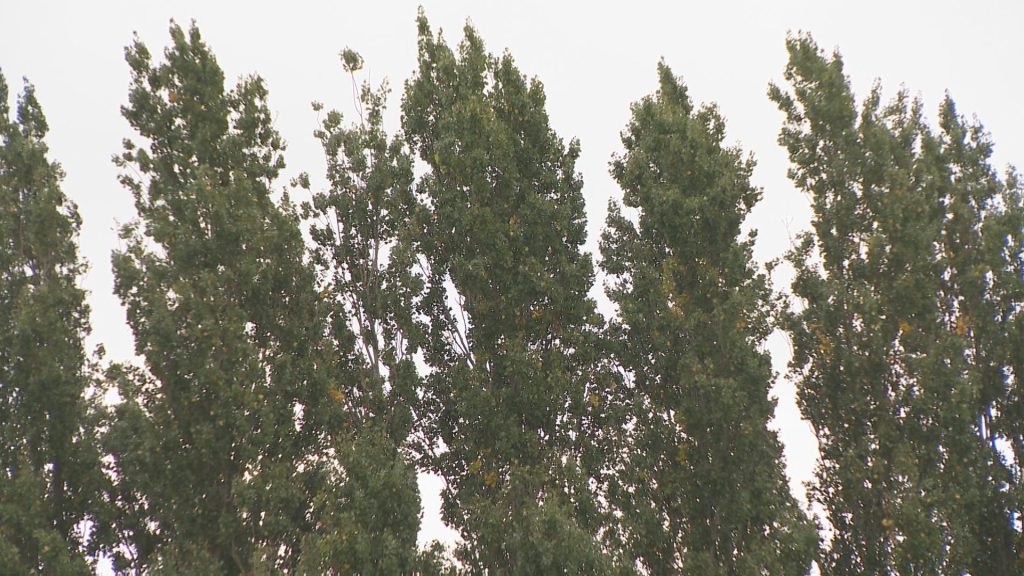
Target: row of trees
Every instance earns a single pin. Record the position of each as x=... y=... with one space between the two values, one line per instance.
x=301 y=362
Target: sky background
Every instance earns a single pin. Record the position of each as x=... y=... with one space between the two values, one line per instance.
x=593 y=58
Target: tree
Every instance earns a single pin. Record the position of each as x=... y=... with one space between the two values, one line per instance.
x=49 y=461
x=223 y=440
x=360 y=230
x=907 y=297
x=512 y=403
x=701 y=488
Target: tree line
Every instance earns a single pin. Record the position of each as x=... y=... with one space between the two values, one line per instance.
x=301 y=362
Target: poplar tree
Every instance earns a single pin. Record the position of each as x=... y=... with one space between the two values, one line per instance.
x=222 y=441
x=49 y=461
x=701 y=488
x=512 y=401
x=971 y=346
x=360 y=229
x=908 y=293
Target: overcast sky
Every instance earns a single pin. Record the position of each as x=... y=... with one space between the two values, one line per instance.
x=594 y=59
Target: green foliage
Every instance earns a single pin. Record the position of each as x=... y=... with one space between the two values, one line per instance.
x=369 y=521
x=287 y=396
x=222 y=442
x=361 y=232
x=701 y=487
x=49 y=462
x=512 y=333
x=909 y=291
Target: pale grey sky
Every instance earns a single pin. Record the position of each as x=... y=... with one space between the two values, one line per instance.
x=594 y=59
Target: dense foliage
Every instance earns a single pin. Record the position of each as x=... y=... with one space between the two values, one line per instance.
x=510 y=399
x=429 y=310
x=49 y=460
x=223 y=441
x=907 y=329
x=702 y=488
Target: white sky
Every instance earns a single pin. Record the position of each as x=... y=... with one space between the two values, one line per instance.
x=594 y=59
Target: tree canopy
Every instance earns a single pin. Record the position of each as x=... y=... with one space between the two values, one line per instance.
x=222 y=441
x=907 y=286
x=702 y=488
x=49 y=459
x=508 y=406
x=428 y=307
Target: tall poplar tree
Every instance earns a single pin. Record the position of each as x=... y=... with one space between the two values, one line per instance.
x=49 y=461
x=1008 y=288
x=701 y=487
x=221 y=443
x=907 y=297
x=980 y=298
x=361 y=228
x=512 y=398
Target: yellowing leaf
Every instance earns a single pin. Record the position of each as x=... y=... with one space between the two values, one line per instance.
x=595 y=400
x=491 y=479
x=905 y=326
x=337 y=395
x=825 y=345
x=681 y=454
x=888 y=523
x=962 y=324
x=474 y=466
